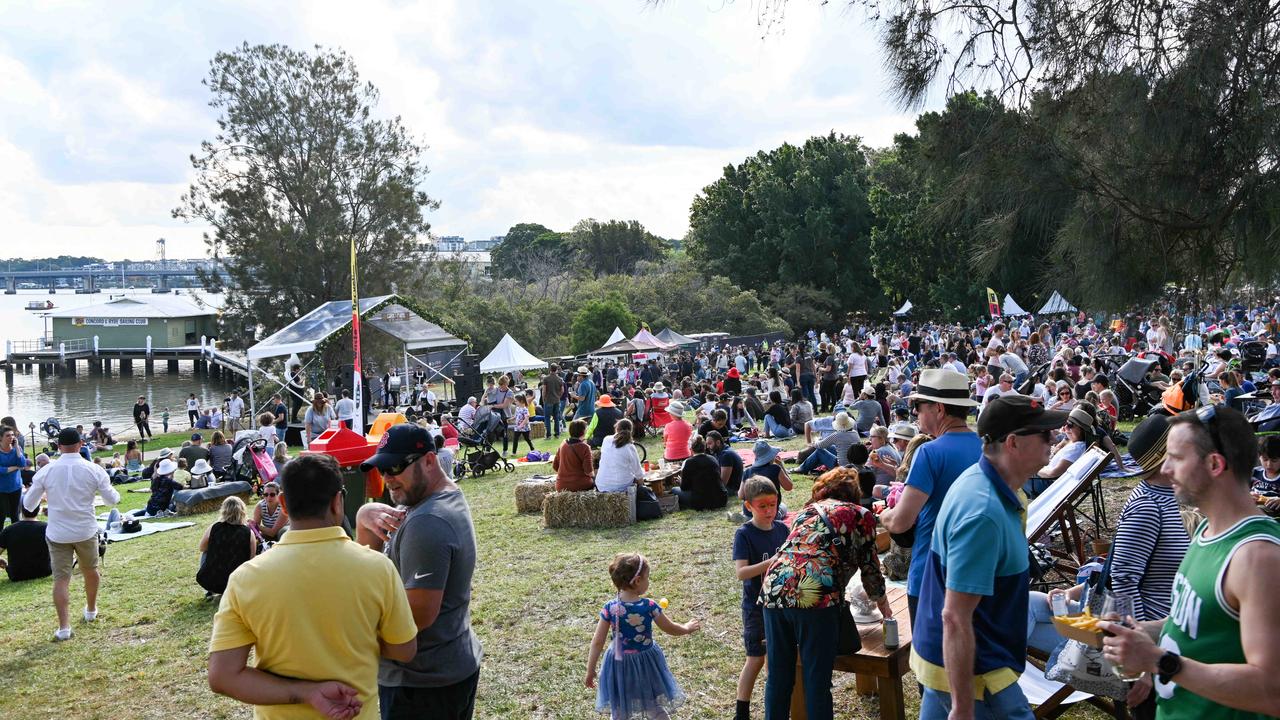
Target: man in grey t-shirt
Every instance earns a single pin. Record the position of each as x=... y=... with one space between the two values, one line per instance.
x=431 y=540
x=869 y=411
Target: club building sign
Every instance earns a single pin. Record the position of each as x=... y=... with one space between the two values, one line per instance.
x=107 y=321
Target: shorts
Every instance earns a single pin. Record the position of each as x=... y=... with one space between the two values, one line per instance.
x=753 y=631
x=60 y=556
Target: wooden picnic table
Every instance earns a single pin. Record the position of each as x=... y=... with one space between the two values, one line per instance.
x=877 y=670
x=661 y=480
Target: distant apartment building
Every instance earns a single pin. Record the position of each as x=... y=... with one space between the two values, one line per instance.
x=485 y=245
x=450 y=244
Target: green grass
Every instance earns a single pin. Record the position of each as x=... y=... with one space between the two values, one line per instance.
x=535 y=597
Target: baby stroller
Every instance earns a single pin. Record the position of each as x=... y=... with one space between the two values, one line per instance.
x=51 y=427
x=251 y=461
x=478 y=455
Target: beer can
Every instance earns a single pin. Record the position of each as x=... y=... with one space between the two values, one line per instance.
x=890 y=633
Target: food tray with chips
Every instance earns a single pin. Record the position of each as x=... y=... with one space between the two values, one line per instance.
x=1080 y=626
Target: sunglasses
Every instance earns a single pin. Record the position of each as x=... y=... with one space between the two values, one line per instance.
x=1205 y=417
x=270 y=494
x=1032 y=433
x=401 y=466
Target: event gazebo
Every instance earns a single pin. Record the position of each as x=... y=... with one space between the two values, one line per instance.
x=1011 y=307
x=615 y=336
x=508 y=356
x=1057 y=305
x=648 y=341
x=674 y=338
x=391 y=314
x=902 y=311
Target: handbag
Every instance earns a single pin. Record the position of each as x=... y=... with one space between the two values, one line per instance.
x=1085 y=669
x=848 y=639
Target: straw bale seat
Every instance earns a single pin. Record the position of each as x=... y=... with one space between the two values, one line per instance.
x=530 y=492
x=589 y=509
x=209 y=499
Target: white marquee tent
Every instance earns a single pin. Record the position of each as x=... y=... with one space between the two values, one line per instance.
x=1011 y=307
x=1057 y=305
x=906 y=308
x=615 y=336
x=508 y=356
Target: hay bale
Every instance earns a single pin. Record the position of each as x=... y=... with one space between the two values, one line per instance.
x=589 y=509
x=209 y=499
x=537 y=429
x=529 y=493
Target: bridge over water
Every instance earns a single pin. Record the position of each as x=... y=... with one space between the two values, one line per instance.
x=87 y=279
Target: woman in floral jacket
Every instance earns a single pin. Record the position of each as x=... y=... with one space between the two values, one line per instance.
x=803 y=589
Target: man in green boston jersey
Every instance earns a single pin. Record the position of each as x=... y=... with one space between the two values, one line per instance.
x=1218 y=652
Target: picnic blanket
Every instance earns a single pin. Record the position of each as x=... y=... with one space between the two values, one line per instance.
x=148 y=528
x=749 y=456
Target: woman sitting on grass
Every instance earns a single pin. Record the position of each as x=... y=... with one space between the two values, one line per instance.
x=269 y=515
x=220 y=454
x=226 y=545
x=133 y=458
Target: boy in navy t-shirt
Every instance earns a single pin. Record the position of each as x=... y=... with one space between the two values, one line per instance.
x=754 y=546
x=1266 y=478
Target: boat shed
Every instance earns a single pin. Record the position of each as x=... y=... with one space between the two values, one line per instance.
x=126 y=322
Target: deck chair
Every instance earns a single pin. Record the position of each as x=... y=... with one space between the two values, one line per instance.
x=1051 y=699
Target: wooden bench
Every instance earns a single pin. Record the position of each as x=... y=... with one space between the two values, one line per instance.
x=877 y=671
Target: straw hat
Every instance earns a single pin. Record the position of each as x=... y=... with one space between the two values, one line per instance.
x=582 y=370
x=842 y=422
x=659 y=387
x=947 y=387
x=676 y=409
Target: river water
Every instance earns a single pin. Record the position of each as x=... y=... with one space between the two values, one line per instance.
x=85 y=398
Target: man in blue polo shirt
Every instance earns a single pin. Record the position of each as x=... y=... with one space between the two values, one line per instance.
x=967 y=650
x=942 y=405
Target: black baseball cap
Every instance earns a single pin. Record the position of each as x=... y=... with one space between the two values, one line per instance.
x=196 y=436
x=399 y=442
x=69 y=436
x=1012 y=413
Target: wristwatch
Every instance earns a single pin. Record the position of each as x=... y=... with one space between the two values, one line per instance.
x=1169 y=664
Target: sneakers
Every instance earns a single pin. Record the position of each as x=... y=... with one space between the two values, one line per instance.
x=62 y=634
x=737 y=517
x=90 y=615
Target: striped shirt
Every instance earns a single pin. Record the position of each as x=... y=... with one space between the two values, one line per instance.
x=1148 y=548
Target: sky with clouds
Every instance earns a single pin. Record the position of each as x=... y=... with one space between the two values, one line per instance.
x=543 y=111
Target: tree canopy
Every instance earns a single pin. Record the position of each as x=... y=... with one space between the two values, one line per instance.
x=793 y=216
x=299 y=169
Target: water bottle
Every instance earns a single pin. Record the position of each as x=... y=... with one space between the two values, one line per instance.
x=1059 y=604
x=890 y=633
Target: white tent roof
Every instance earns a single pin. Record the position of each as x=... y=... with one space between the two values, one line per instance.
x=616 y=336
x=906 y=308
x=382 y=312
x=509 y=356
x=1057 y=304
x=1011 y=307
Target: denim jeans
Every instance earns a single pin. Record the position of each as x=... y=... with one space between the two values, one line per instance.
x=1041 y=634
x=813 y=633
x=820 y=456
x=772 y=427
x=806 y=388
x=555 y=417
x=1008 y=704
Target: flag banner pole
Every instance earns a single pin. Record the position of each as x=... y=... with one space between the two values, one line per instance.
x=357 y=382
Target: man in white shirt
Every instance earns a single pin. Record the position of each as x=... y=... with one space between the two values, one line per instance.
x=1005 y=387
x=69 y=483
x=346 y=409
x=235 y=410
x=956 y=364
x=467 y=413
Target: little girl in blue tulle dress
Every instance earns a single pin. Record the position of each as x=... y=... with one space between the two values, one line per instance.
x=635 y=681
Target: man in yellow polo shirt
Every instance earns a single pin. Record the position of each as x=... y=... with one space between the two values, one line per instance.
x=317 y=609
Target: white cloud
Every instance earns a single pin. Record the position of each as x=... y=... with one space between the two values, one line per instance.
x=535 y=111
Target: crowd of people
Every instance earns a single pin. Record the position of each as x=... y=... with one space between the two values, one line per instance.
x=936 y=434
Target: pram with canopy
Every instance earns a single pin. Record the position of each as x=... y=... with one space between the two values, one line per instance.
x=478 y=455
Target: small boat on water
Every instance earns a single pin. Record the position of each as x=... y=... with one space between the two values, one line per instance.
x=40 y=305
